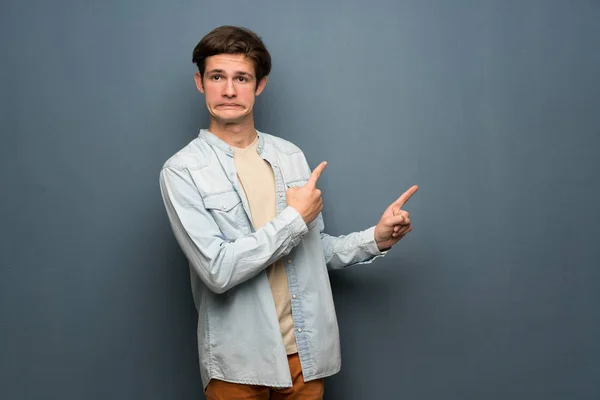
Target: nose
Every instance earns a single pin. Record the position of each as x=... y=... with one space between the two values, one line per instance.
x=229 y=89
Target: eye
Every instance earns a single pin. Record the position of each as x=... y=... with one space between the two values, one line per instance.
x=216 y=77
x=242 y=79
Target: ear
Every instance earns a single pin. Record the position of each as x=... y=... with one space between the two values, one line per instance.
x=261 y=86
x=199 y=83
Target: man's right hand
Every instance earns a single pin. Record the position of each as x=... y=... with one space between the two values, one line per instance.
x=307 y=199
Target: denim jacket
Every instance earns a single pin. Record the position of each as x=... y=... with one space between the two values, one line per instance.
x=239 y=338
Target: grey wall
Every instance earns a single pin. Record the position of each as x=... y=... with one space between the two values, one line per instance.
x=490 y=106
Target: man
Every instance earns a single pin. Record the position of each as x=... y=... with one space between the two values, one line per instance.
x=245 y=208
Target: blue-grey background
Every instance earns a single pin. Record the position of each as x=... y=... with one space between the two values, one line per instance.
x=492 y=107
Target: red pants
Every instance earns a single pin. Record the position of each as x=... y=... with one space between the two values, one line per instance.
x=313 y=390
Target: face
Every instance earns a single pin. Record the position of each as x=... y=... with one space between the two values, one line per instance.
x=229 y=87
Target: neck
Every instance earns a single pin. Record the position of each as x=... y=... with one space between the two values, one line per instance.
x=239 y=135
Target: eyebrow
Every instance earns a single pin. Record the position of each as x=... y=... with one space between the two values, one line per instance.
x=220 y=71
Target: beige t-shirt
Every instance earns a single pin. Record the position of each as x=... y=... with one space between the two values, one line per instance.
x=258 y=181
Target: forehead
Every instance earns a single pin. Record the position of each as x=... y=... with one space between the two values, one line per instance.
x=230 y=63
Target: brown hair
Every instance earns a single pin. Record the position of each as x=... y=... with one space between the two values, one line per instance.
x=233 y=40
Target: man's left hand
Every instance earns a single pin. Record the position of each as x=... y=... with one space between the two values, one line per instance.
x=395 y=222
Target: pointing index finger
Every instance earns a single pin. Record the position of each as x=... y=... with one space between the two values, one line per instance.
x=314 y=177
x=404 y=197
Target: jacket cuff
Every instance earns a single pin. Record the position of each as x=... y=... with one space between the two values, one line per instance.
x=295 y=224
x=369 y=243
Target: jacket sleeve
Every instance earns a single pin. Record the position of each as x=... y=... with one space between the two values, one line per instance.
x=220 y=263
x=347 y=250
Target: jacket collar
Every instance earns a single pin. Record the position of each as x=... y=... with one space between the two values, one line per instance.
x=220 y=144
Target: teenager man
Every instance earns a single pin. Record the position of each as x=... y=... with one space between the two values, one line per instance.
x=245 y=208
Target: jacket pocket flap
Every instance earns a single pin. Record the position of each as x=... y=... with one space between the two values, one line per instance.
x=222 y=201
x=296 y=182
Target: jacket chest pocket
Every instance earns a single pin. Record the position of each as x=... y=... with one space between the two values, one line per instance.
x=228 y=212
x=296 y=182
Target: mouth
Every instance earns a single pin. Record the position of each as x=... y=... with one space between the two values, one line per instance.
x=229 y=105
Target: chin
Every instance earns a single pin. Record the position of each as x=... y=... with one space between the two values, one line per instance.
x=230 y=116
